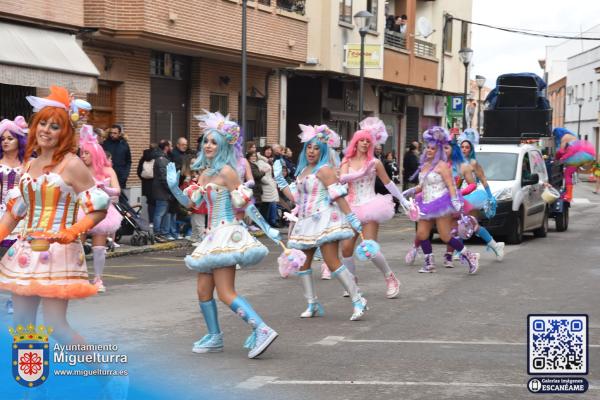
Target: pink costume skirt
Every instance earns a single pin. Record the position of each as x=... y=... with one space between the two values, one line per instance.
x=60 y=272
x=378 y=209
x=109 y=225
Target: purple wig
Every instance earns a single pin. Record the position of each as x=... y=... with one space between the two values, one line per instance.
x=438 y=137
x=18 y=129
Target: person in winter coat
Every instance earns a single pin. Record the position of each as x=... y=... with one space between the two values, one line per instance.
x=145 y=171
x=117 y=146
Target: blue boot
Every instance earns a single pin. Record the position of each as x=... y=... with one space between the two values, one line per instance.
x=212 y=342
x=262 y=336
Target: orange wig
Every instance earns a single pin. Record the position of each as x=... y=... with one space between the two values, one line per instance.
x=66 y=139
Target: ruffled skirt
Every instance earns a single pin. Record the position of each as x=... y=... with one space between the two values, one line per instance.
x=109 y=225
x=440 y=207
x=322 y=227
x=60 y=272
x=578 y=153
x=378 y=209
x=477 y=199
x=225 y=246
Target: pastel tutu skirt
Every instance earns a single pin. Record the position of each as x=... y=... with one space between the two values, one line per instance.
x=225 y=246
x=109 y=225
x=327 y=225
x=378 y=209
x=578 y=153
x=440 y=207
x=477 y=199
x=60 y=272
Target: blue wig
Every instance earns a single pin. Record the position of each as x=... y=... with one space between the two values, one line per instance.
x=323 y=158
x=456 y=156
x=559 y=133
x=225 y=154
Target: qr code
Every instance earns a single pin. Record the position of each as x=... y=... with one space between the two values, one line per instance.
x=557 y=344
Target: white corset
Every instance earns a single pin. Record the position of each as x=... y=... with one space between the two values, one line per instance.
x=433 y=186
x=362 y=189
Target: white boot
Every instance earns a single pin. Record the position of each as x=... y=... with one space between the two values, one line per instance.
x=314 y=309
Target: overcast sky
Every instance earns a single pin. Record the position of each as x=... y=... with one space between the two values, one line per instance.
x=496 y=52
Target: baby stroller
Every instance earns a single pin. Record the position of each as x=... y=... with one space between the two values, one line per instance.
x=133 y=224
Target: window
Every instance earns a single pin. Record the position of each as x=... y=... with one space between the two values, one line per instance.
x=598 y=89
x=464 y=35
x=591 y=90
x=219 y=102
x=576 y=92
x=448 y=36
x=346 y=11
x=168 y=65
x=372 y=8
x=582 y=97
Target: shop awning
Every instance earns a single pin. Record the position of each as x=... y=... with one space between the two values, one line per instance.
x=41 y=58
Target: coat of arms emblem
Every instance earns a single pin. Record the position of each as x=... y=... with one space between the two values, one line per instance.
x=30 y=354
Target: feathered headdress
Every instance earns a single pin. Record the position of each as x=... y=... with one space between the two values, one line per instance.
x=437 y=135
x=221 y=124
x=59 y=97
x=18 y=126
x=87 y=136
x=321 y=132
x=470 y=135
x=376 y=128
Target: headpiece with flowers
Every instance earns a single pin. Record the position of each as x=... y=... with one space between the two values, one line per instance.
x=18 y=126
x=376 y=128
x=59 y=97
x=322 y=132
x=221 y=124
x=470 y=135
x=437 y=135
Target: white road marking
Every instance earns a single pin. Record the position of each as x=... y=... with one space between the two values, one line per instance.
x=256 y=382
x=333 y=340
x=580 y=201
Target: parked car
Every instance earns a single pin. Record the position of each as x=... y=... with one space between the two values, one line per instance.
x=516 y=174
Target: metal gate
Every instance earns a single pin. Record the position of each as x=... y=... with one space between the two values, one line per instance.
x=13 y=103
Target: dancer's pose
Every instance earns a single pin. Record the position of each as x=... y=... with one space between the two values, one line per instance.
x=93 y=156
x=227 y=242
x=439 y=200
x=324 y=216
x=13 y=135
x=359 y=169
x=478 y=198
x=52 y=187
x=573 y=153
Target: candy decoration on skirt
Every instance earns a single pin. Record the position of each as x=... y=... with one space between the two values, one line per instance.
x=367 y=249
x=290 y=261
x=466 y=227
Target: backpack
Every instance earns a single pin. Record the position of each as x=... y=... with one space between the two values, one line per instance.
x=148 y=169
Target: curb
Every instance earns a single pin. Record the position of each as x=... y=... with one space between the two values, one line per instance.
x=143 y=249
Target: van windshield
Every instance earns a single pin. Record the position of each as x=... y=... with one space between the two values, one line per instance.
x=498 y=166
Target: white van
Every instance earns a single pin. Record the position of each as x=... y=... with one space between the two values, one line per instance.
x=516 y=175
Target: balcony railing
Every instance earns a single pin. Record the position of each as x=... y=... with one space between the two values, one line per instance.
x=264 y=2
x=395 y=39
x=295 y=6
x=423 y=48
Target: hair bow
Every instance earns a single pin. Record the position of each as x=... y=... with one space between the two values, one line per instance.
x=222 y=124
x=376 y=128
x=322 y=132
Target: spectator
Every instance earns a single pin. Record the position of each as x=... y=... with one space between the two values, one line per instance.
x=145 y=171
x=161 y=192
x=199 y=143
x=257 y=175
x=116 y=144
x=198 y=212
x=267 y=153
x=417 y=147
x=289 y=163
x=270 y=196
x=400 y=25
x=391 y=168
x=379 y=186
x=179 y=151
x=251 y=147
x=390 y=22
x=410 y=166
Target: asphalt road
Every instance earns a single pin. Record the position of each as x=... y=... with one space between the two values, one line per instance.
x=448 y=336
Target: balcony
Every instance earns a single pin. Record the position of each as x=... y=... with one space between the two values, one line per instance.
x=294 y=6
x=424 y=49
x=395 y=39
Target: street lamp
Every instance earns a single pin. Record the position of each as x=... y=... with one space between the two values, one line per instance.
x=362 y=19
x=465 y=54
x=579 y=101
x=480 y=82
x=244 y=88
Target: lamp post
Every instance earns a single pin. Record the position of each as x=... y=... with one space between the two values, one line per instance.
x=580 y=101
x=244 y=88
x=465 y=54
x=362 y=19
x=480 y=82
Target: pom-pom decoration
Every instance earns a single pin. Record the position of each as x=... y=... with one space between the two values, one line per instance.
x=489 y=208
x=290 y=261
x=412 y=211
x=367 y=249
x=466 y=227
x=376 y=128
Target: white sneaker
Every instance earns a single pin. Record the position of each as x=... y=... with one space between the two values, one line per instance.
x=393 y=286
x=325 y=272
x=498 y=250
x=360 y=306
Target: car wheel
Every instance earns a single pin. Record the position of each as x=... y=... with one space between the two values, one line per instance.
x=516 y=234
x=562 y=220
x=542 y=231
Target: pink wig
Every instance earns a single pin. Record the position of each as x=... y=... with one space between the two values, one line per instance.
x=88 y=142
x=351 y=150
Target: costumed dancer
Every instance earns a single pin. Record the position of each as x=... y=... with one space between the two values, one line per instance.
x=94 y=157
x=47 y=263
x=13 y=135
x=227 y=241
x=482 y=200
x=574 y=154
x=324 y=216
x=439 y=200
x=359 y=170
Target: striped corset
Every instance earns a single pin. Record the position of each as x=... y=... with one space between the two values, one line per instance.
x=9 y=177
x=51 y=203
x=218 y=203
x=312 y=194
